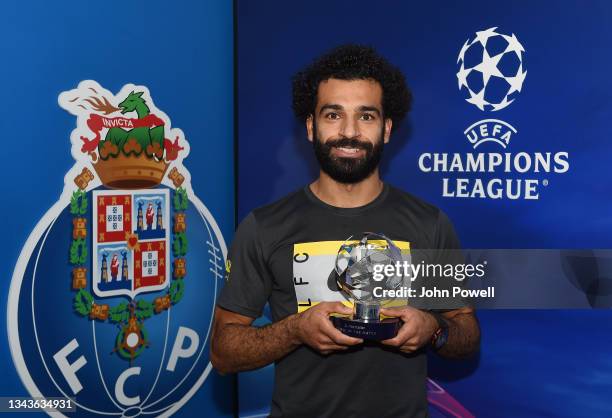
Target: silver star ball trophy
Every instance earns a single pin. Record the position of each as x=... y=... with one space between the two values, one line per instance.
x=356 y=279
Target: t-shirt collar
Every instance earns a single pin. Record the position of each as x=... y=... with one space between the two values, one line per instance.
x=348 y=211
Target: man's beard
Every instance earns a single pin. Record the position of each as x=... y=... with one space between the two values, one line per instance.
x=348 y=170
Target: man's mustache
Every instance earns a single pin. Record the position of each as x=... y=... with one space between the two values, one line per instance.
x=348 y=143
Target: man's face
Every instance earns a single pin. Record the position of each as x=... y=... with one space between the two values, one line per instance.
x=347 y=129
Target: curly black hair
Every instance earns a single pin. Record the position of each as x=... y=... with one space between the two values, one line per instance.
x=352 y=62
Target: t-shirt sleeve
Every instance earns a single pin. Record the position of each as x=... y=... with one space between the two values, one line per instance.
x=445 y=237
x=436 y=288
x=448 y=252
x=248 y=282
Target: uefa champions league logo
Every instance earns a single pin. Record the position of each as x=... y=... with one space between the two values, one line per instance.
x=112 y=297
x=491 y=73
x=491 y=69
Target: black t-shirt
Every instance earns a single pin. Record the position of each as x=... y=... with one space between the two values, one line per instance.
x=283 y=253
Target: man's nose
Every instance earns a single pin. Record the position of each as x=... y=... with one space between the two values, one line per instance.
x=349 y=128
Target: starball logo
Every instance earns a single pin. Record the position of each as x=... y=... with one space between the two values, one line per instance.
x=491 y=73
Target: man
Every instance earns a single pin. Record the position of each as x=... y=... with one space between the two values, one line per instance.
x=114 y=267
x=350 y=100
x=149 y=215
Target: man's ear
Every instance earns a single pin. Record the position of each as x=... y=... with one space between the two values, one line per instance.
x=310 y=127
x=387 y=134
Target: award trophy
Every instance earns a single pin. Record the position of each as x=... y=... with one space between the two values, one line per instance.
x=355 y=276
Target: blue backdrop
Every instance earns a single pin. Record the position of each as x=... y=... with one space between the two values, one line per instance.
x=532 y=363
x=181 y=52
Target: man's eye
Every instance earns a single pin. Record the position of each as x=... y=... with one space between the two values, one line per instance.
x=367 y=116
x=332 y=116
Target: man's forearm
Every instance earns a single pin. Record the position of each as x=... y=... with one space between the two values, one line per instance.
x=238 y=347
x=463 y=336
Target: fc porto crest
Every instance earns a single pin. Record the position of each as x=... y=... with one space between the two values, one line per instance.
x=112 y=297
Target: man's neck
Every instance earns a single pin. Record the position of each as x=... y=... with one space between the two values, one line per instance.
x=347 y=195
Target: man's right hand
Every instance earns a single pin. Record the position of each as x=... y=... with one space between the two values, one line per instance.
x=314 y=328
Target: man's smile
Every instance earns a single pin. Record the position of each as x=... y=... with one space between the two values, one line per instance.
x=348 y=152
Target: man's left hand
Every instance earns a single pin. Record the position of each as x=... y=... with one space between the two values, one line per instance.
x=417 y=330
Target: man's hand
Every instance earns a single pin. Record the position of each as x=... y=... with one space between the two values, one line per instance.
x=237 y=345
x=314 y=328
x=417 y=330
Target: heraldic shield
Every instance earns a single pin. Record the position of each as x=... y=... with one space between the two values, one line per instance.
x=130 y=242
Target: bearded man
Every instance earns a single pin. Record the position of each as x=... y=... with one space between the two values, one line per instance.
x=350 y=101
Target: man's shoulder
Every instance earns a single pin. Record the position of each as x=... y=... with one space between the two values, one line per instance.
x=421 y=208
x=437 y=228
x=281 y=209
